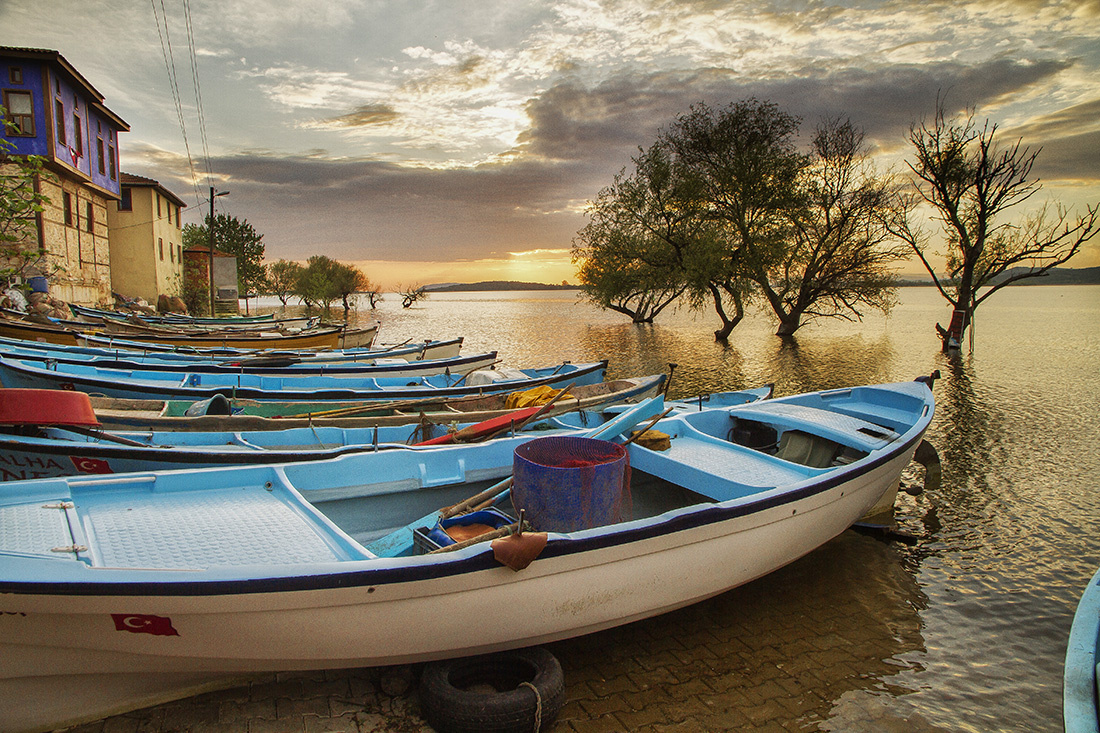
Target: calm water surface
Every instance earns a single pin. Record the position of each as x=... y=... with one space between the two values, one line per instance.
x=965 y=630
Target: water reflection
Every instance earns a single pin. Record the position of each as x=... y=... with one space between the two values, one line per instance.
x=772 y=654
x=807 y=364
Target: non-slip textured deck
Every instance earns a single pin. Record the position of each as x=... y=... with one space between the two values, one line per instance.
x=34 y=528
x=199 y=529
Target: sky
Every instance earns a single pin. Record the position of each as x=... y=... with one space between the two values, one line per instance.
x=461 y=141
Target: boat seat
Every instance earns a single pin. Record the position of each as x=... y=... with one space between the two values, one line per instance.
x=844 y=429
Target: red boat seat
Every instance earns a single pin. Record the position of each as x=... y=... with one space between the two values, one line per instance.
x=46 y=407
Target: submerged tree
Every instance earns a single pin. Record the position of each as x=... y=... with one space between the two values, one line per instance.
x=346 y=280
x=315 y=282
x=746 y=166
x=411 y=294
x=629 y=256
x=971 y=182
x=838 y=255
x=282 y=278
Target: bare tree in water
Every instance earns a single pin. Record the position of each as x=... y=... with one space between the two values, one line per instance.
x=971 y=182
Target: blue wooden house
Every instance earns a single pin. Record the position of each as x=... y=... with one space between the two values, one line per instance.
x=59 y=115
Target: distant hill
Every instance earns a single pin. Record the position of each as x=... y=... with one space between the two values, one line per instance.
x=494 y=285
x=1057 y=276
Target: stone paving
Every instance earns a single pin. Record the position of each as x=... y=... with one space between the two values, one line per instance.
x=789 y=652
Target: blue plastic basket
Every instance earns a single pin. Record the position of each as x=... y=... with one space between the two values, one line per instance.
x=566 y=484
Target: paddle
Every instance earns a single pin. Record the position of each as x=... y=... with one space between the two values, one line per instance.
x=496 y=425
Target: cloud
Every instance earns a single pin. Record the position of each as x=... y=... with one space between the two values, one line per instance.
x=364 y=115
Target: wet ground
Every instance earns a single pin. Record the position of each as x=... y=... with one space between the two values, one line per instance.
x=797 y=650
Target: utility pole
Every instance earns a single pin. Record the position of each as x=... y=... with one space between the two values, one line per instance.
x=210 y=227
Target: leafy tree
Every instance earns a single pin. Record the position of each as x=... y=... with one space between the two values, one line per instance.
x=838 y=256
x=346 y=280
x=747 y=170
x=315 y=285
x=235 y=237
x=633 y=256
x=971 y=181
x=20 y=203
x=282 y=278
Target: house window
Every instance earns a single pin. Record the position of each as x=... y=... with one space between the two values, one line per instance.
x=59 y=106
x=90 y=218
x=158 y=207
x=161 y=243
x=15 y=74
x=127 y=202
x=20 y=113
x=179 y=252
x=99 y=154
x=111 y=162
x=171 y=253
x=78 y=136
x=68 y=209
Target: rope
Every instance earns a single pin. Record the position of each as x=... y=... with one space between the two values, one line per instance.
x=538 y=704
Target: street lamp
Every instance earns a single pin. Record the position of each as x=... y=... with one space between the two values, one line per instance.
x=210 y=268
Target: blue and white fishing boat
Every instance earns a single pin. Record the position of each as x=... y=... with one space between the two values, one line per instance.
x=119 y=591
x=1080 y=685
x=31 y=447
x=106 y=348
x=150 y=384
x=377 y=366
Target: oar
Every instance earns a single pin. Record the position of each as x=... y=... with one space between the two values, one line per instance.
x=531 y=418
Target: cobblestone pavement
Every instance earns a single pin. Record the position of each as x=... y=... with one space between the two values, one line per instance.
x=790 y=652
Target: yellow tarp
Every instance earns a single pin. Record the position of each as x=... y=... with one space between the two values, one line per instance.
x=532 y=397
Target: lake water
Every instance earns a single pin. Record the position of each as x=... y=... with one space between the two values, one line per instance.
x=964 y=630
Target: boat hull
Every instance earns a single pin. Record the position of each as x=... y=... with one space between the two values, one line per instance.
x=380 y=617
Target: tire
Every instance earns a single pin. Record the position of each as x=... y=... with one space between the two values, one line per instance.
x=493 y=693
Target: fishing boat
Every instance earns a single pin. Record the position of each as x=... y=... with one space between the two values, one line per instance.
x=1080 y=711
x=269 y=323
x=67 y=438
x=135 y=351
x=235 y=414
x=78 y=310
x=381 y=366
x=122 y=591
x=149 y=384
x=429 y=349
x=324 y=338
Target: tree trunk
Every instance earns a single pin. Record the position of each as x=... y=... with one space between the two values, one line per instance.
x=788 y=325
x=728 y=324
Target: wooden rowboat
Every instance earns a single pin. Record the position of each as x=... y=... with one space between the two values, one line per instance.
x=148 y=384
x=233 y=415
x=119 y=591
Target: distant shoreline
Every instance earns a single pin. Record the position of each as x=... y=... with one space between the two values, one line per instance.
x=1057 y=276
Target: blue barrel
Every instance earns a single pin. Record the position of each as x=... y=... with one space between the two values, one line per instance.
x=38 y=284
x=566 y=484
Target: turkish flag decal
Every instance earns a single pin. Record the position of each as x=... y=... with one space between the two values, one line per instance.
x=143 y=623
x=90 y=465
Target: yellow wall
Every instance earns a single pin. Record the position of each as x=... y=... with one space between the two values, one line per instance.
x=140 y=266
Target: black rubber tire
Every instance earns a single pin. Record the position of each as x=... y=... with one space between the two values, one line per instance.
x=488 y=694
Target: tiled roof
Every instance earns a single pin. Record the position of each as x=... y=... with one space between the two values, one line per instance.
x=129 y=179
